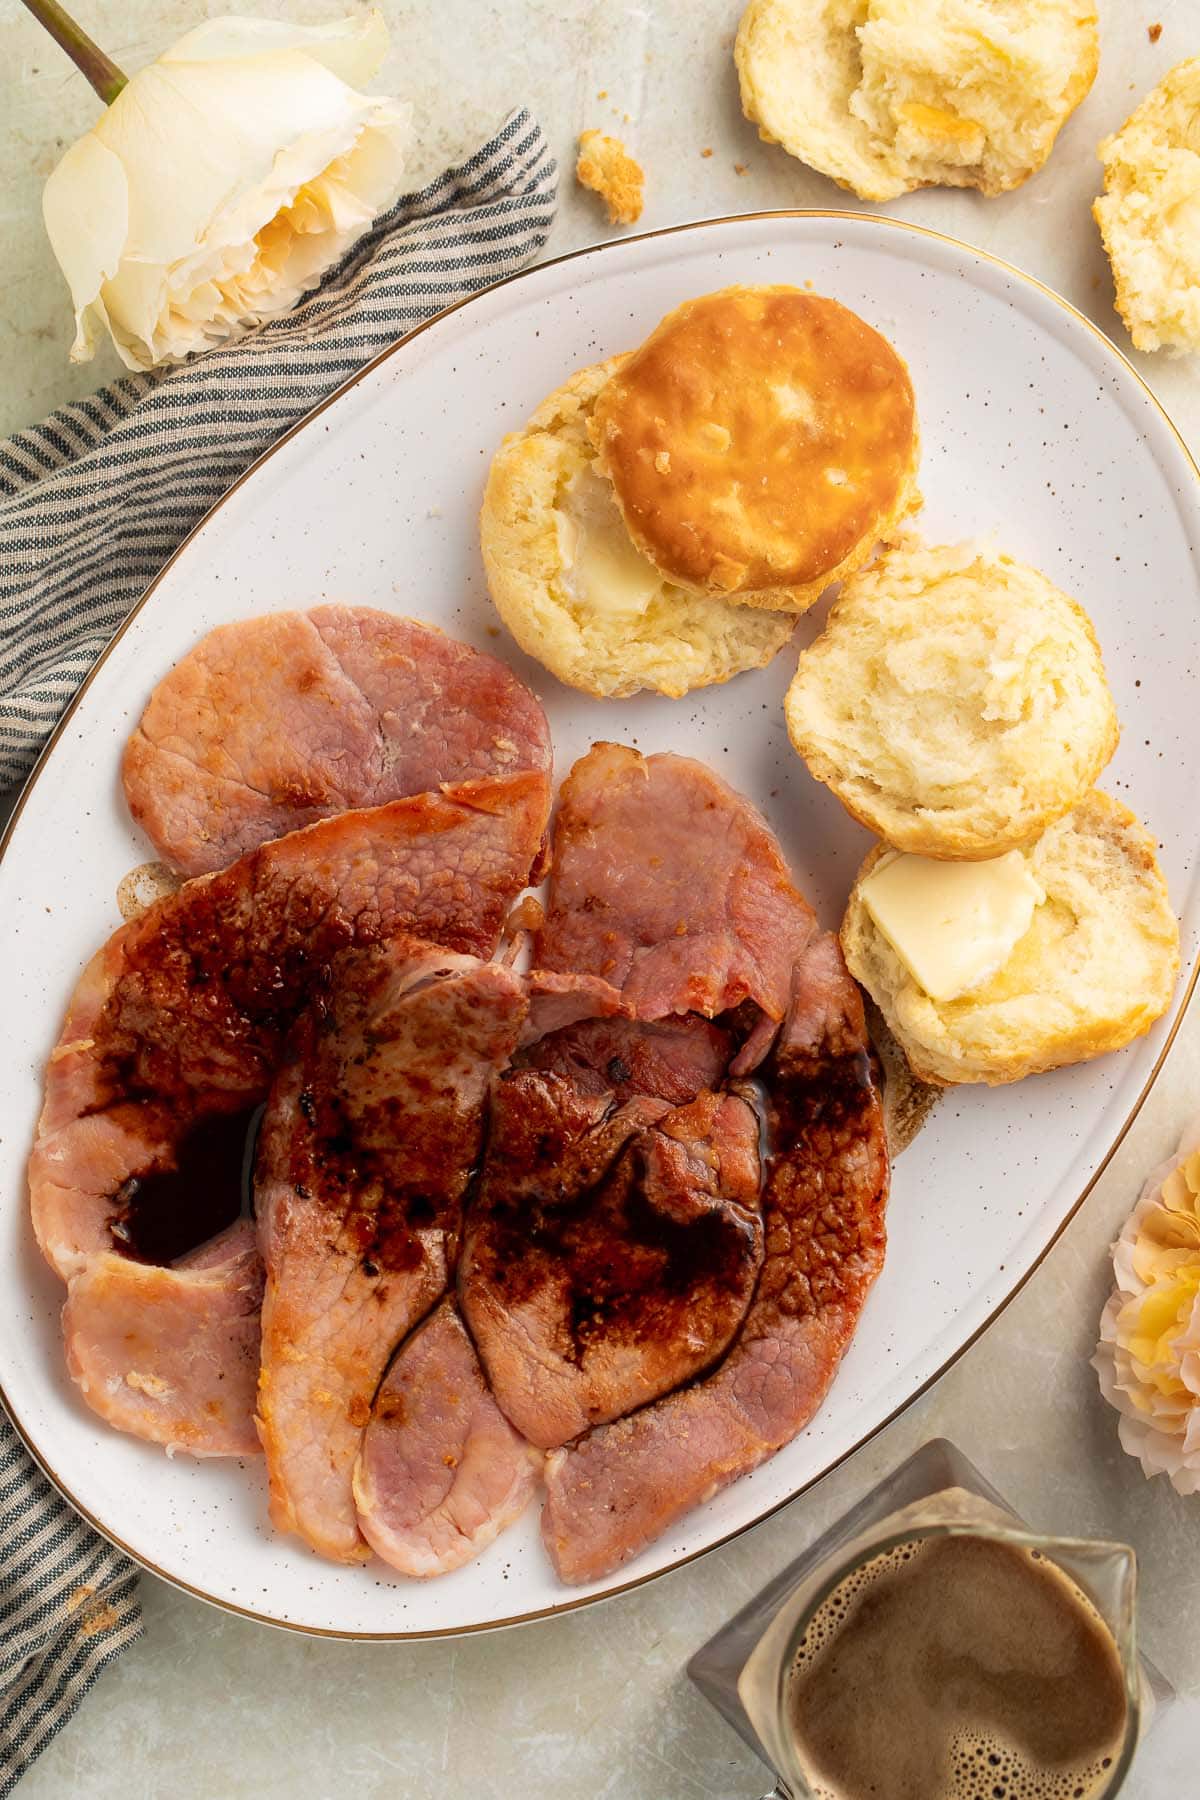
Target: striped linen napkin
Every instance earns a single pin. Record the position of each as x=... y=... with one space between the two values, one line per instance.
x=68 y=1607
x=92 y=502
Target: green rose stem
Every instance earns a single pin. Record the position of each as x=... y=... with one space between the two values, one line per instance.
x=103 y=74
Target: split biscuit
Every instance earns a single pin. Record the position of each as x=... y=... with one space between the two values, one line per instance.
x=955 y=702
x=760 y=444
x=1149 y=214
x=889 y=95
x=1094 y=970
x=570 y=585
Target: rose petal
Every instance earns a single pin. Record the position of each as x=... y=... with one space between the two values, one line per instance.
x=85 y=204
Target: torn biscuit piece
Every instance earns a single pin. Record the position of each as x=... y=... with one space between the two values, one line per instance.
x=607 y=168
x=889 y=95
x=1149 y=214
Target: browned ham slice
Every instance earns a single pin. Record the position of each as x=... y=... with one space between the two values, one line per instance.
x=626 y=1483
x=183 y=1015
x=171 y=1355
x=441 y=1472
x=365 y=1153
x=178 y=1023
x=672 y=1059
x=273 y=723
x=672 y=887
x=610 y=1251
x=366 y=1149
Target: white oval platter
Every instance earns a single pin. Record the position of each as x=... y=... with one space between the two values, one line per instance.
x=1036 y=431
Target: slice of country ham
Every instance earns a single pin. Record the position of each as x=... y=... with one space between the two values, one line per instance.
x=367 y=1145
x=171 y=1354
x=272 y=723
x=610 y=1251
x=365 y=1153
x=670 y=885
x=672 y=1059
x=177 y=1025
x=624 y=1484
x=441 y=1472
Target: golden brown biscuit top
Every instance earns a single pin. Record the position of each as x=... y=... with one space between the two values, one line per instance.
x=757 y=438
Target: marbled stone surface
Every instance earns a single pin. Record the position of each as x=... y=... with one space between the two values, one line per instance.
x=595 y=1704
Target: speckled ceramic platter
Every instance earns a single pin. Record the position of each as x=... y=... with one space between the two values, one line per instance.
x=1035 y=431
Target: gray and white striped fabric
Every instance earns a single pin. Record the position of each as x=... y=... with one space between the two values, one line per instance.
x=68 y=1607
x=92 y=502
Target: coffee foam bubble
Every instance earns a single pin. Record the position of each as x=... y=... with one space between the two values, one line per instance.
x=979 y=1763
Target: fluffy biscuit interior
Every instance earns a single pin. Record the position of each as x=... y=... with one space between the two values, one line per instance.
x=760 y=443
x=1095 y=969
x=890 y=95
x=956 y=700
x=1149 y=214
x=544 y=492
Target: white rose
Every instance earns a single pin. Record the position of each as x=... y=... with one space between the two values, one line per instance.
x=222 y=182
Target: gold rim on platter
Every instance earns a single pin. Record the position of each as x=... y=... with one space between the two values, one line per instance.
x=549 y=1612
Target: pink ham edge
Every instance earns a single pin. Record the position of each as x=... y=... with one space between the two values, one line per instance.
x=441 y=1473
x=171 y=1354
x=269 y=724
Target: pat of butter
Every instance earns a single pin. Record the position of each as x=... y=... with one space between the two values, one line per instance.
x=953 y=924
x=601 y=565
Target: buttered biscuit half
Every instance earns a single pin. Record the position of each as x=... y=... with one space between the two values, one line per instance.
x=955 y=702
x=990 y=971
x=890 y=95
x=759 y=444
x=574 y=590
x=1149 y=214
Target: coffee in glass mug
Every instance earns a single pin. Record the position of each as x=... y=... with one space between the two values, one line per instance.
x=957 y=1667
x=945 y=1653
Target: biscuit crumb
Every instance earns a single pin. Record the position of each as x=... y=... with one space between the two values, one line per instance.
x=1154 y=32
x=740 y=169
x=707 y=150
x=99 y=1617
x=527 y=915
x=95 y=1613
x=603 y=94
x=607 y=168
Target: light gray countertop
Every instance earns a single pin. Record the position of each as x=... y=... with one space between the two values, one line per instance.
x=596 y=1704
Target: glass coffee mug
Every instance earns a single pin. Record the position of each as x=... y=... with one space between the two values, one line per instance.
x=749 y=1669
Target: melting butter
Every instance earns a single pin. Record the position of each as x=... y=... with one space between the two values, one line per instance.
x=952 y=924
x=601 y=565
